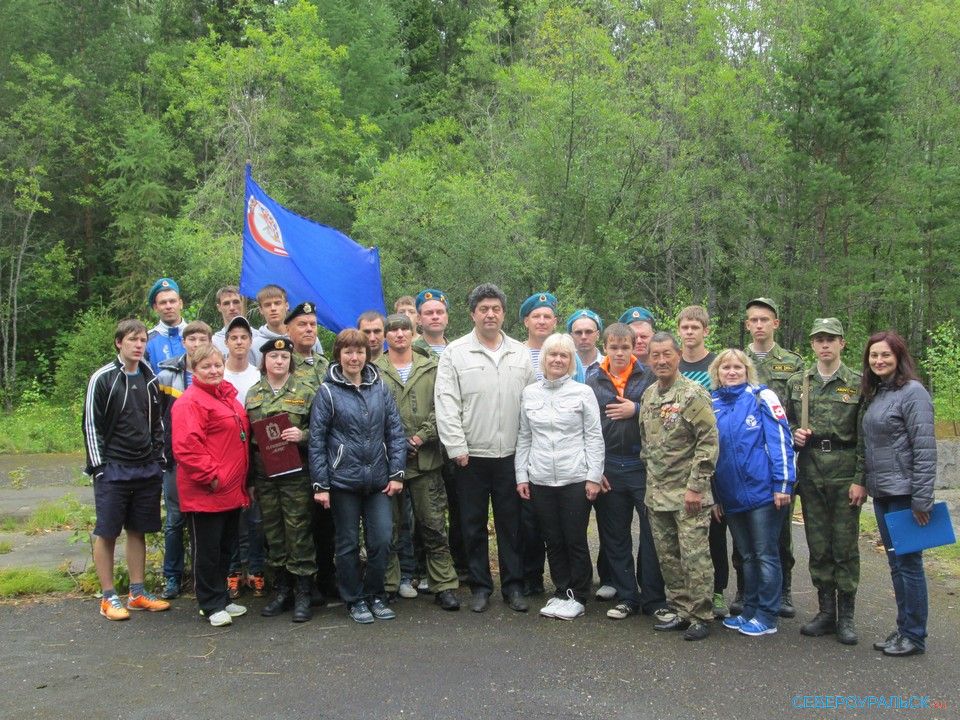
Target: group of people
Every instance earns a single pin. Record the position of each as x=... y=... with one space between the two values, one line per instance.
x=411 y=438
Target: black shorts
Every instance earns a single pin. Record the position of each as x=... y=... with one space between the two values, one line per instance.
x=127 y=497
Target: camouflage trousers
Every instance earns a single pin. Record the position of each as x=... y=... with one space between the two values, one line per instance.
x=429 y=498
x=286 y=504
x=833 y=530
x=683 y=549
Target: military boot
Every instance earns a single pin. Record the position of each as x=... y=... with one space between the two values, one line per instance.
x=301 y=599
x=283 y=599
x=825 y=621
x=846 y=633
x=787 y=610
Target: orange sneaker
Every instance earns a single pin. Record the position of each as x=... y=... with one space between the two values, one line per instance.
x=256 y=583
x=233 y=585
x=147 y=601
x=112 y=609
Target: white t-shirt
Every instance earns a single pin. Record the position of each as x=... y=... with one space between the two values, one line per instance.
x=242 y=381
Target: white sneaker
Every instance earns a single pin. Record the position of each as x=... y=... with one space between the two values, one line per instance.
x=550 y=609
x=606 y=592
x=407 y=590
x=423 y=587
x=234 y=610
x=569 y=609
x=221 y=618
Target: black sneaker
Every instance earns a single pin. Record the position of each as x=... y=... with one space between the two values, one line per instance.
x=697 y=631
x=360 y=612
x=380 y=610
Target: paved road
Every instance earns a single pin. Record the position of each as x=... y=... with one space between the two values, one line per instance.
x=61 y=660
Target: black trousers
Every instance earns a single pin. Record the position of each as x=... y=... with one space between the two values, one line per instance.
x=533 y=548
x=322 y=528
x=454 y=532
x=563 y=513
x=212 y=535
x=482 y=481
x=718 y=553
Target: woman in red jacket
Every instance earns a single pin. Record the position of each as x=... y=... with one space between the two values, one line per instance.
x=210 y=444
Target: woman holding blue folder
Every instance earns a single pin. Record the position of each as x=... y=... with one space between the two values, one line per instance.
x=900 y=454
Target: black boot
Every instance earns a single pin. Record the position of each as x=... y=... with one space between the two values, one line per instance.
x=301 y=599
x=787 y=610
x=846 y=633
x=283 y=600
x=825 y=621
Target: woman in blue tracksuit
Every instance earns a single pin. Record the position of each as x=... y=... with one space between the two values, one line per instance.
x=754 y=479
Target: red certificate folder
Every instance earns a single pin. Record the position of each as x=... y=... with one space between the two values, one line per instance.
x=279 y=457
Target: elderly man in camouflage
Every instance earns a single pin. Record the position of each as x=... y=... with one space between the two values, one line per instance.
x=680 y=446
x=774 y=367
x=829 y=477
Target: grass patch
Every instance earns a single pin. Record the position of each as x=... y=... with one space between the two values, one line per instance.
x=33 y=581
x=868 y=523
x=67 y=513
x=5 y=547
x=9 y=524
x=42 y=427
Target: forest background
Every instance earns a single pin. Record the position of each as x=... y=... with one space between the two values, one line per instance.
x=616 y=152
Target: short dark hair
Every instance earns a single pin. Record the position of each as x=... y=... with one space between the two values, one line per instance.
x=486 y=291
x=347 y=338
x=128 y=326
x=371 y=315
x=228 y=290
x=906 y=369
x=197 y=327
x=619 y=330
x=662 y=337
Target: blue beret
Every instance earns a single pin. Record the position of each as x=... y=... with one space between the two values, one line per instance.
x=162 y=285
x=637 y=314
x=431 y=294
x=584 y=313
x=538 y=300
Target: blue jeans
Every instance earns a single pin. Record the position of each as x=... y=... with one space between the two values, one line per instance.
x=757 y=534
x=909 y=580
x=173 y=528
x=249 y=545
x=375 y=510
x=615 y=509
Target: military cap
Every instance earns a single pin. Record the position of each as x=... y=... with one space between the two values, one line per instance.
x=766 y=302
x=398 y=320
x=162 y=285
x=584 y=313
x=280 y=343
x=826 y=326
x=538 y=300
x=239 y=321
x=430 y=294
x=304 y=308
x=637 y=314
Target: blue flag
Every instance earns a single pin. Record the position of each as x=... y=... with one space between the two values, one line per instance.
x=310 y=261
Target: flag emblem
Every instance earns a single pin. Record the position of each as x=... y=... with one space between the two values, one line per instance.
x=264 y=228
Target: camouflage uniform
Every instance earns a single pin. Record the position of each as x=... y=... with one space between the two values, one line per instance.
x=680 y=446
x=286 y=500
x=311 y=374
x=774 y=371
x=826 y=467
x=422 y=477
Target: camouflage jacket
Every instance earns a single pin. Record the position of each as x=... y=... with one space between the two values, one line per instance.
x=311 y=375
x=679 y=443
x=831 y=452
x=776 y=368
x=294 y=399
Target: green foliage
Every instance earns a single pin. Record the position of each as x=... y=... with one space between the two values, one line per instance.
x=6 y=547
x=42 y=427
x=942 y=365
x=16 y=582
x=87 y=346
x=66 y=513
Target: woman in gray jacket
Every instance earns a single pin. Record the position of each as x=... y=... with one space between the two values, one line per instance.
x=559 y=466
x=900 y=455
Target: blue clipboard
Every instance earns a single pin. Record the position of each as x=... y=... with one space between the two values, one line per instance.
x=909 y=537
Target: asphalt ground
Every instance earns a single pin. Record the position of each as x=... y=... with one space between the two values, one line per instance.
x=60 y=659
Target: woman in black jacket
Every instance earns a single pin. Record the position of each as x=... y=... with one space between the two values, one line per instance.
x=358 y=452
x=900 y=455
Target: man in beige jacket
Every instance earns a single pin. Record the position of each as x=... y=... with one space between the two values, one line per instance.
x=479 y=381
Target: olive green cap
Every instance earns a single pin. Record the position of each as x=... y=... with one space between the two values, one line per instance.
x=766 y=302
x=826 y=326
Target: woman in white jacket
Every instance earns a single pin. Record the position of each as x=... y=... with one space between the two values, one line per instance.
x=559 y=464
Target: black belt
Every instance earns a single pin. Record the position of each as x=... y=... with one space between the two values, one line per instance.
x=826 y=445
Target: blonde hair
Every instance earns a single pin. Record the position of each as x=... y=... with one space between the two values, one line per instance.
x=203 y=352
x=697 y=313
x=559 y=341
x=738 y=355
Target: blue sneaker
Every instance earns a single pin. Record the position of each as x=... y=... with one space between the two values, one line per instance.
x=360 y=612
x=735 y=622
x=755 y=628
x=380 y=610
